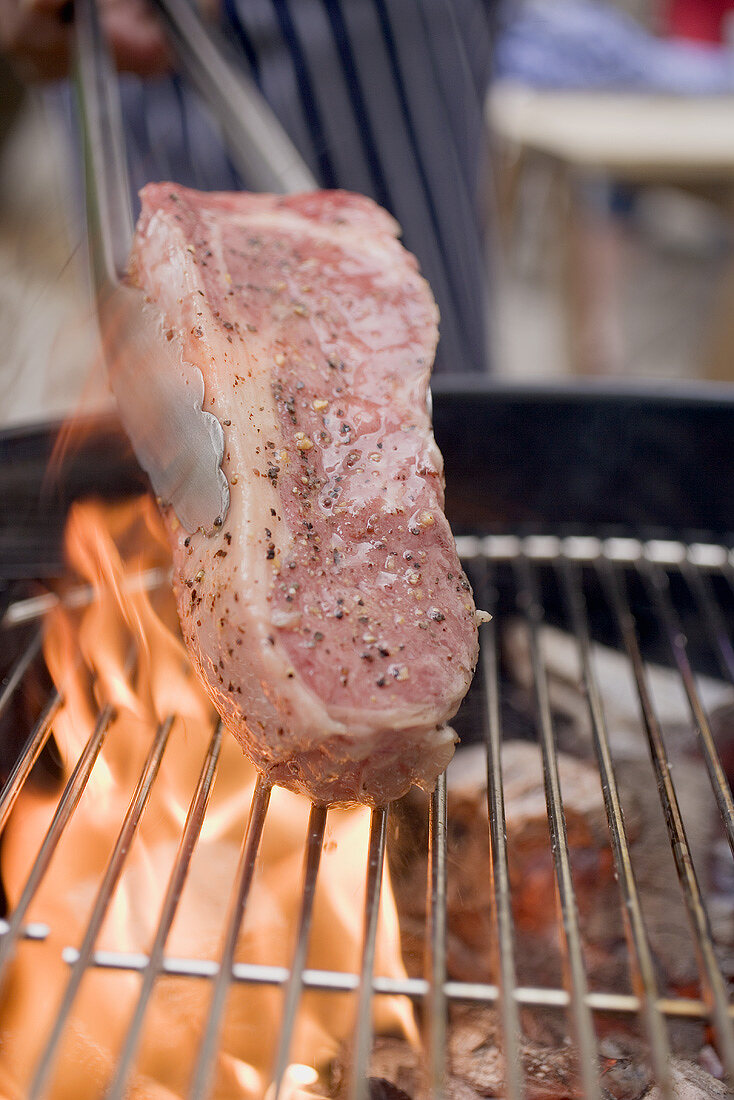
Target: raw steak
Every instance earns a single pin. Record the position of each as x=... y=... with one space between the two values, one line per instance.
x=329 y=617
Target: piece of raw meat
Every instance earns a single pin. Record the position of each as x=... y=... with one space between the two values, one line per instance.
x=329 y=617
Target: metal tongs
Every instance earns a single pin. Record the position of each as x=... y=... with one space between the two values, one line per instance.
x=160 y=397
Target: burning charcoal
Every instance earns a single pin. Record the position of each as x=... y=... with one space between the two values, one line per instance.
x=475 y=1067
x=666 y=918
x=690 y=1082
x=662 y=904
x=621 y=705
x=394 y=1071
x=525 y=804
x=382 y=1089
x=550 y=1072
x=470 y=953
x=474 y=1051
x=530 y=859
x=401 y=1069
x=624 y=1074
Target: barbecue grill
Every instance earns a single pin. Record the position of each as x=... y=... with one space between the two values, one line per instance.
x=606 y=513
x=627 y=544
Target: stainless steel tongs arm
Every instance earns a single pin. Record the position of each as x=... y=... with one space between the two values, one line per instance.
x=160 y=396
x=265 y=157
x=109 y=212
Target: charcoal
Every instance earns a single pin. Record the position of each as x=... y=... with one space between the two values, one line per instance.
x=475 y=1057
x=624 y=1074
x=475 y=1061
x=475 y=1067
x=382 y=1089
x=470 y=929
x=665 y=914
x=691 y=1082
x=621 y=706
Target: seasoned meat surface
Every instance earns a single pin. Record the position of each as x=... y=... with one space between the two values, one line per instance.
x=329 y=616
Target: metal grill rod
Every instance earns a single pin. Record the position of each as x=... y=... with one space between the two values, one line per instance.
x=104 y=895
x=41 y=731
x=189 y=837
x=698 y=915
x=39 y=734
x=710 y=614
x=643 y=967
x=417 y=989
x=223 y=973
x=659 y=588
x=363 y=1028
x=35 y=607
x=294 y=986
x=436 y=941
x=502 y=905
x=20 y=771
x=34 y=930
x=67 y=805
x=528 y=599
x=709 y=557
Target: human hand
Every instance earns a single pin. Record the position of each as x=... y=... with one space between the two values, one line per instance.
x=37 y=36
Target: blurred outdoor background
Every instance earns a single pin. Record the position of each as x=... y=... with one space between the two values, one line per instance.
x=609 y=199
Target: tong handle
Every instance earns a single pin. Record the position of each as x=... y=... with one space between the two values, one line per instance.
x=109 y=211
x=264 y=155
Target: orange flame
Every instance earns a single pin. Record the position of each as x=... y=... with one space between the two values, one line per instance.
x=125 y=649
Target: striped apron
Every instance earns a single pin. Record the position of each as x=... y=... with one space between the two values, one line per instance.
x=383 y=97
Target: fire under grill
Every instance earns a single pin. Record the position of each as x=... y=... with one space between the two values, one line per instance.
x=661 y=614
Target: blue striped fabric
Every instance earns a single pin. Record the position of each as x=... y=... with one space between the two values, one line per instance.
x=380 y=96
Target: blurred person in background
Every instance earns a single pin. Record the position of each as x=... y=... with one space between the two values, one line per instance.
x=700 y=20
x=383 y=97
x=591 y=46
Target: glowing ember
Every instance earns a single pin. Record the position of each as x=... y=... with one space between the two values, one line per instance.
x=125 y=649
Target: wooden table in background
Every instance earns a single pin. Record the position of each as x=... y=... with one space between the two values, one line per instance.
x=643 y=139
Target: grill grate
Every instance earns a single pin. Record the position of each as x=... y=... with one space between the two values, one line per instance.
x=643 y=592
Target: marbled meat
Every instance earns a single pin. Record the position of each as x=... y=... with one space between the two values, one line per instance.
x=329 y=616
